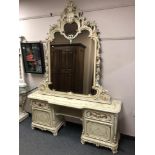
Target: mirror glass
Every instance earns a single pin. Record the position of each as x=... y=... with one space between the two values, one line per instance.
x=72 y=64
x=70 y=29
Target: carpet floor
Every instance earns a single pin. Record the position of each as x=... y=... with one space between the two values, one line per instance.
x=67 y=142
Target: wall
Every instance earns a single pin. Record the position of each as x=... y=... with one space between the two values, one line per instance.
x=117 y=32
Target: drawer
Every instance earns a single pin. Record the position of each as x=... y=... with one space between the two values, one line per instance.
x=40 y=104
x=98 y=115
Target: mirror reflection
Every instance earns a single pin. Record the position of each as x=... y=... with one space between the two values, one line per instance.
x=70 y=29
x=72 y=64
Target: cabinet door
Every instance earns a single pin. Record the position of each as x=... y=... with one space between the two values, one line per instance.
x=97 y=130
x=42 y=117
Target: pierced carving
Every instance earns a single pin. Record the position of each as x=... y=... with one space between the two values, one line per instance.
x=72 y=14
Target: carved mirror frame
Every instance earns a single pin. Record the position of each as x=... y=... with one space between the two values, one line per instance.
x=70 y=15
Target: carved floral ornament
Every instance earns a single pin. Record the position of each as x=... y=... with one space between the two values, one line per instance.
x=70 y=15
x=98 y=115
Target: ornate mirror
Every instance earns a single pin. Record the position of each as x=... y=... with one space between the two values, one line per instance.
x=73 y=58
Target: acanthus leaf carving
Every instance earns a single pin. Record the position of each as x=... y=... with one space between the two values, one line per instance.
x=72 y=14
x=99 y=116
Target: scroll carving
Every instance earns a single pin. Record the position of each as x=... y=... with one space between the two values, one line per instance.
x=72 y=14
x=39 y=104
x=98 y=116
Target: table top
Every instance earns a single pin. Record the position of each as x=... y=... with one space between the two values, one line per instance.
x=113 y=107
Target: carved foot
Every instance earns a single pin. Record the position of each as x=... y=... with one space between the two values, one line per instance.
x=114 y=151
x=55 y=134
x=97 y=145
x=32 y=127
x=82 y=141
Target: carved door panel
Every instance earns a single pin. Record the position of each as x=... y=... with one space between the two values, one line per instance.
x=41 y=117
x=98 y=131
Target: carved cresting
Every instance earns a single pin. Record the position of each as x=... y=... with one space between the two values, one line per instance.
x=69 y=12
x=70 y=15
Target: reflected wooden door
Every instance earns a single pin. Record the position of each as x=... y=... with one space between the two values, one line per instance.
x=67 y=63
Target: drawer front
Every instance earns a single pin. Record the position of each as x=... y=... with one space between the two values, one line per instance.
x=98 y=131
x=40 y=104
x=41 y=117
x=97 y=115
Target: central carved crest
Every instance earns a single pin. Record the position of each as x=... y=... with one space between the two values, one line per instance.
x=70 y=25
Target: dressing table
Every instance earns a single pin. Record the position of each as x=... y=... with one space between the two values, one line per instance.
x=92 y=105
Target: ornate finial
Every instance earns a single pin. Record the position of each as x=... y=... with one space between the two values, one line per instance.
x=70 y=11
x=70 y=3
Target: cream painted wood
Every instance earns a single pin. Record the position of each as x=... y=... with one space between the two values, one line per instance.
x=99 y=112
x=100 y=128
x=44 y=118
x=72 y=14
x=99 y=120
x=113 y=107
